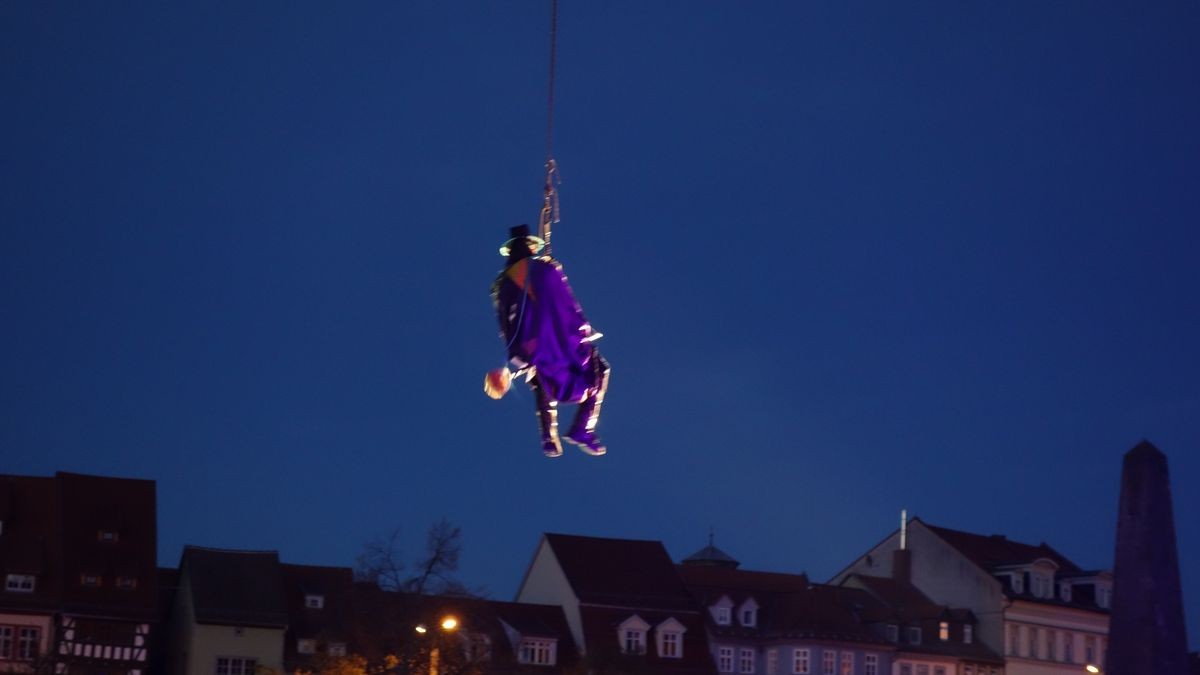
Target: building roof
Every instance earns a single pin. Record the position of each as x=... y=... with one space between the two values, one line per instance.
x=69 y=527
x=604 y=646
x=620 y=572
x=997 y=550
x=240 y=588
x=711 y=556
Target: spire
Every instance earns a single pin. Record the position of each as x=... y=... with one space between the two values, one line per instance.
x=711 y=556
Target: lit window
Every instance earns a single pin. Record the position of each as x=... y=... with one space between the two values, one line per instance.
x=28 y=640
x=306 y=646
x=800 y=662
x=314 y=601
x=968 y=633
x=944 y=631
x=20 y=583
x=772 y=662
x=235 y=666
x=829 y=662
x=337 y=649
x=537 y=652
x=847 y=663
x=725 y=659
x=90 y=580
x=893 y=632
x=914 y=635
x=871 y=664
x=746 y=661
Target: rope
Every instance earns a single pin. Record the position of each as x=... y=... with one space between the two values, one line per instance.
x=550 y=213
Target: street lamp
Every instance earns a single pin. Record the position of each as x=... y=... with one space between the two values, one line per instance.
x=448 y=624
x=1092 y=668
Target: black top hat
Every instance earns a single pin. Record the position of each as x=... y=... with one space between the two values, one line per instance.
x=521 y=232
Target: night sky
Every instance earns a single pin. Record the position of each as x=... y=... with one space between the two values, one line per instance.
x=849 y=257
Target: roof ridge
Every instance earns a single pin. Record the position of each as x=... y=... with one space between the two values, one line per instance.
x=213 y=549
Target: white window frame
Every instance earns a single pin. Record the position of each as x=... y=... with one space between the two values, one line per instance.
x=537 y=651
x=20 y=583
x=847 y=663
x=725 y=659
x=314 y=601
x=893 y=633
x=668 y=638
x=772 y=662
x=722 y=611
x=871 y=664
x=631 y=635
x=28 y=644
x=748 y=613
x=1064 y=591
x=746 y=661
x=829 y=662
x=235 y=665
x=968 y=633
x=801 y=661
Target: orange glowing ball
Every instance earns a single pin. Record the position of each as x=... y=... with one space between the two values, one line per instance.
x=497 y=382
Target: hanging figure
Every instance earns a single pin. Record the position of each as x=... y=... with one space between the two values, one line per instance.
x=549 y=341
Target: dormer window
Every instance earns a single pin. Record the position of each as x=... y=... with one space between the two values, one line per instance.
x=914 y=635
x=893 y=632
x=669 y=638
x=748 y=613
x=1103 y=595
x=314 y=601
x=968 y=633
x=537 y=651
x=1064 y=591
x=944 y=631
x=631 y=635
x=722 y=610
x=1018 y=582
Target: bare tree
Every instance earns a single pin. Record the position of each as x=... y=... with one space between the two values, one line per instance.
x=381 y=563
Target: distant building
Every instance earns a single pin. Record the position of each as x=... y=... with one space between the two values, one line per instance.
x=624 y=603
x=775 y=624
x=319 y=604
x=78 y=562
x=1034 y=606
x=229 y=615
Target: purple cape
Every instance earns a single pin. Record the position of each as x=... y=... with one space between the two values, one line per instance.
x=544 y=326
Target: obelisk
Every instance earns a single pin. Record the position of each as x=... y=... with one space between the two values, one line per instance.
x=1146 y=633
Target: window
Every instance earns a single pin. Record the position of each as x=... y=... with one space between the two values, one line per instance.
x=748 y=617
x=1012 y=639
x=725 y=659
x=126 y=583
x=721 y=614
x=829 y=662
x=480 y=648
x=1032 y=644
x=107 y=536
x=968 y=670
x=1018 y=583
x=968 y=633
x=1064 y=591
x=20 y=583
x=939 y=670
x=537 y=652
x=1069 y=647
x=1052 y=645
x=89 y=580
x=28 y=640
x=922 y=669
x=227 y=665
x=893 y=632
x=337 y=649
x=847 y=663
x=905 y=669
x=1089 y=649
x=944 y=631
x=746 y=661
x=914 y=635
x=800 y=661
x=669 y=645
x=1103 y=595
x=634 y=641
x=314 y=601
x=772 y=662
x=6 y=642
x=306 y=646
x=871 y=664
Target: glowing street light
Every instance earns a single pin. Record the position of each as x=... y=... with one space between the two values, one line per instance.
x=420 y=628
x=1091 y=668
x=449 y=623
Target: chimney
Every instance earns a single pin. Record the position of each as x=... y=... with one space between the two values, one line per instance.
x=902 y=557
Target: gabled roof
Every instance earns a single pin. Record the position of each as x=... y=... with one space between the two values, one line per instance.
x=991 y=552
x=741 y=582
x=620 y=572
x=239 y=588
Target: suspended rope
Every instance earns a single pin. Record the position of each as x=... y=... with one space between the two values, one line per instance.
x=550 y=213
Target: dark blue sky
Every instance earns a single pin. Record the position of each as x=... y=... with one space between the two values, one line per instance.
x=849 y=258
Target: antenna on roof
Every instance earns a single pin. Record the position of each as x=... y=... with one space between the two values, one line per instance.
x=903 y=529
x=711 y=532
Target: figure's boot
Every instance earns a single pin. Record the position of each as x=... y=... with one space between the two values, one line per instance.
x=583 y=428
x=547 y=414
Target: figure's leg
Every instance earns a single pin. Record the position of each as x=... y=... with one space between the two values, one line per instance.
x=583 y=428
x=547 y=414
